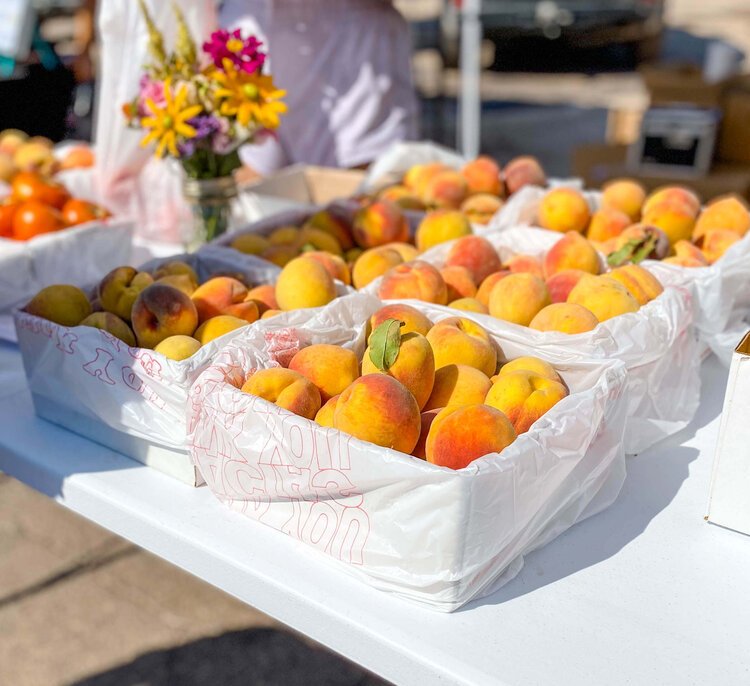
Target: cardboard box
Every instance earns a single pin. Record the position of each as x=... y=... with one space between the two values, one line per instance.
x=734 y=136
x=669 y=84
x=729 y=499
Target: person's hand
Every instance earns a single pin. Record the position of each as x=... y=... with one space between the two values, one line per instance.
x=83 y=67
x=246 y=174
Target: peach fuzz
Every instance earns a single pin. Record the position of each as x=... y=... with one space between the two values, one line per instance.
x=459 y=282
x=216 y=327
x=529 y=364
x=482 y=175
x=372 y=264
x=447 y=189
x=461 y=434
x=62 y=304
x=572 y=251
x=476 y=254
x=378 y=224
x=426 y=418
x=485 y=288
x=524 y=264
x=280 y=255
x=178 y=347
x=560 y=284
x=675 y=219
x=728 y=213
x=413 y=320
x=440 y=226
x=457 y=340
x=418 y=280
x=641 y=283
x=625 y=196
x=335 y=226
x=607 y=223
x=250 y=243
x=379 y=409
x=335 y=265
x=469 y=305
x=517 y=298
x=106 y=321
x=304 y=283
x=264 y=297
x=480 y=208
x=523 y=171
x=672 y=194
x=161 y=311
x=523 y=397
x=565 y=318
x=324 y=417
x=285 y=388
x=330 y=367
x=564 y=209
x=216 y=295
x=715 y=242
x=414 y=366
x=119 y=289
x=458 y=384
x=604 y=297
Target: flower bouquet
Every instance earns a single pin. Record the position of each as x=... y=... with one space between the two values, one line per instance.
x=199 y=108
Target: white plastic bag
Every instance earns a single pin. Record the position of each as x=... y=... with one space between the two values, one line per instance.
x=429 y=534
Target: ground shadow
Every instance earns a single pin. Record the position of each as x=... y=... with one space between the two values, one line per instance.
x=251 y=657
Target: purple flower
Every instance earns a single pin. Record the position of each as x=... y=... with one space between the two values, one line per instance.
x=244 y=53
x=205 y=125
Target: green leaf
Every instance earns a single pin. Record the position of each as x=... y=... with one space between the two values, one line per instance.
x=646 y=248
x=385 y=343
x=308 y=247
x=624 y=254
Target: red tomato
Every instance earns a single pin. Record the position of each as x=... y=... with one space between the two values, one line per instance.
x=7 y=210
x=32 y=186
x=77 y=211
x=33 y=218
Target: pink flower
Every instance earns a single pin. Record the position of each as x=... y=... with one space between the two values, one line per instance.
x=244 y=53
x=150 y=89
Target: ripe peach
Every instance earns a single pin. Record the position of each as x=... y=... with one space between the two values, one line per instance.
x=330 y=367
x=304 y=283
x=524 y=397
x=107 y=321
x=458 y=384
x=264 y=297
x=485 y=288
x=178 y=347
x=469 y=305
x=271 y=313
x=426 y=419
x=418 y=280
x=217 y=326
x=461 y=434
x=378 y=224
x=523 y=171
x=564 y=317
x=251 y=244
x=280 y=255
x=560 y=284
x=326 y=221
x=419 y=175
x=729 y=213
x=407 y=251
x=476 y=254
x=529 y=363
x=524 y=264
x=402 y=197
x=182 y=282
x=517 y=298
x=715 y=242
x=675 y=219
x=440 y=226
x=310 y=239
x=482 y=175
x=216 y=295
x=372 y=264
x=285 y=388
x=480 y=208
x=65 y=305
x=564 y=209
x=641 y=234
x=625 y=196
x=414 y=321
x=326 y=412
x=456 y=340
x=447 y=189
x=672 y=194
x=641 y=283
x=685 y=250
x=119 y=289
x=607 y=223
x=335 y=265
x=175 y=268
x=459 y=282
x=161 y=311
x=572 y=251
x=604 y=297
x=379 y=409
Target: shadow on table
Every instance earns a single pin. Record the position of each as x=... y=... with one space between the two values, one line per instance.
x=251 y=657
x=653 y=481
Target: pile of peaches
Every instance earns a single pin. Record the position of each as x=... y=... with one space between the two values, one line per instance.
x=668 y=225
x=20 y=152
x=432 y=390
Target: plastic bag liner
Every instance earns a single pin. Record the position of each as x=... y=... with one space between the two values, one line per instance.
x=721 y=299
x=656 y=344
x=426 y=533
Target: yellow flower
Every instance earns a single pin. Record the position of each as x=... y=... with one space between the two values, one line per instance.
x=248 y=97
x=169 y=121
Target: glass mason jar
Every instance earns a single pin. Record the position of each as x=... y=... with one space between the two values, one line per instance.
x=210 y=205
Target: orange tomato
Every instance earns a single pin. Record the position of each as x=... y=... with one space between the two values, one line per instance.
x=78 y=157
x=33 y=218
x=77 y=211
x=7 y=210
x=31 y=186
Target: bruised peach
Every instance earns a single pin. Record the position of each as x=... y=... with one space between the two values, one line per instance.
x=564 y=209
x=482 y=175
x=378 y=224
x=715 y=242
x=106 y=321
x=440 y=226
x=414 y=321
x=418 y=280
x=480 y=208
x=641 y=234
x=335 y=226
x=572 y=251
x=560 y=284
x=448 y=190
x=604 y=297
x=728 y=213
x=625 y=196
x=216 y=327
x=304 y=283
x=63 y=304
x=250 y=244
x=476 y=254
x=459 y=282
x=524 y=264
x=379 y=409
x=372 y=264
x=675 y=219
x=461 y=434
x=523 y=171
x=335 y=265
x=564 y=317
x=485 y=288
x=517 y=298
x=607 y=223
x=529 y=363
x=426 y=422
x=178 y=347
x=330 y=367
x=119 y=289
x=264 y=297
x=457 y=340
x=672 y=194
x=161 y=311
x=458 y=384
x=469 y=305
x=285 y=388
x=641 y=283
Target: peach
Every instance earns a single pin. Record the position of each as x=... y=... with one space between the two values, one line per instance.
x=418 y=280
x=529 y=363
x=182 y=282
x=107 y=321
x=480 y=208
x=564 y=209
x=407 y=251
x=476 y=254
x=119 y=289
x=271 y=313
x=469 y=305
x=426 y=420
x=458 y=384
x=284 y=235
x=217 y=326
x=402 y=197
x=330 y=367
x=414 y=321
x=417 y=177
x=485 y=288
x=280 y=255
x=441 y=226
x=65 y=305
x=461 y=434
x=175 y=268
x=641 y=283
x=564 y=317
x=285 y=388
x=675 y=219
x=378 y=224
x=572 y=251
x=517 y=298
x=672 y=194
x=690 y=262
x=326 y=412
x=524 y=264
x=728 y=213
x=560 y=284
x=178 y=347
x=459 y=282
x=445 y=190
x=310 y=239
x=335 y=265
x=636 y=237
x=379 y=409
x=715 y=242
x=326 y=221
x=625 y=196
x=604 y=297
x=161 y=311
x=250 y=244
x=457 y=340
x=11 y=140
x=523 y=397
x=264 y=297
x=304 y=283
x=352 y=255
x=607 y=223
x=372 y=264
x=216 y=295
x=523 y=171
x=482 y=175
x=692 y=253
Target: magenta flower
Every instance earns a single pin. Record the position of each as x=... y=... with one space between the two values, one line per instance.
x=244 y=53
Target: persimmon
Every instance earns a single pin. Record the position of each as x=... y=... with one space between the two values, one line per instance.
x=7 y=210
x=33 y=218
x=77 y=158
x=31 y=186
x=77 y=211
